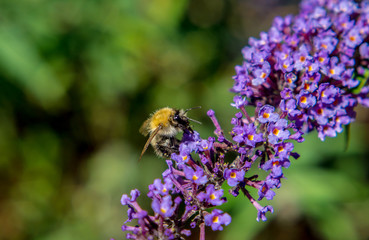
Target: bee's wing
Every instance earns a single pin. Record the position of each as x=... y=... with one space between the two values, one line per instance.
x=144 y=129
x=152 y=135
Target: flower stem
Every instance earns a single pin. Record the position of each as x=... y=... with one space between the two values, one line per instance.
x=202 y=231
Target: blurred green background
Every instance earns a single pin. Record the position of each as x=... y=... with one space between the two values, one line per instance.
x=77 y=79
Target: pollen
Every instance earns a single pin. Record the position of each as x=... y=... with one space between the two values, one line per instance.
x=212 y=196
x=321 y=59
x=233 y=175
x=310 y=68
x=215 y=219
x=285 y=66
x=280 y=149
x=322 y=94
x=324 y=46
x=250 y=137
x=320 y=111
x=331 y=71
x=266 y=115
x=163 y=210
x=194 y=177
x=263 y=75
x=184 y=157
x=164 y=190
x=276 y=131
x=303 y=99
x=352 y=38
x=302 y=59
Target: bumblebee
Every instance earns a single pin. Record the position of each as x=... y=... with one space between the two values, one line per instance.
x=162 y=127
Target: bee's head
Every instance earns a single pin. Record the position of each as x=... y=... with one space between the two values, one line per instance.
x=181 y=121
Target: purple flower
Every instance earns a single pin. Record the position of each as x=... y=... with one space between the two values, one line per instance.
x=277 y=131
x=158 y=188
x=197 y=176
x=285 y=65
x=262 y=212
x=266 y=191
x=302 y=57
x=327 y=93
x=163 y=206
x=283 y=149
x=261 y=74
x=251 y=136
x=247 y=135
x=216 y=219
x=212 y=196
x=353 y=38
x=266 y=114
x=364 y=50
x=326 y=130
x=238 y=101
x=125 y=200
x=321 y=114
x=290 y=79
x=305 y=99
x=234 y=176
x=276 y=165
x=334 y=69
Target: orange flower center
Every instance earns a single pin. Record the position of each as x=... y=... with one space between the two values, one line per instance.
x=307 y=86
x=275 y=131
x=276 y=163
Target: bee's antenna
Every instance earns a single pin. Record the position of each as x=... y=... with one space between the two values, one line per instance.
x=192 y=108
x=193 y=120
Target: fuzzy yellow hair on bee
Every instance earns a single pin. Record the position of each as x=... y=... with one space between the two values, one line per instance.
x=162 y=126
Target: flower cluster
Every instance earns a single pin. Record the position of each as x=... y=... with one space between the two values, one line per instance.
x=193 y=183
x=313 y=67
x=308 y=72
